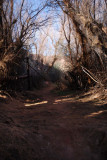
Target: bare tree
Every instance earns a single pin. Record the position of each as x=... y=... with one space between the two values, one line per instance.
x=18 y=25
x=67 y=34
x=86 y=17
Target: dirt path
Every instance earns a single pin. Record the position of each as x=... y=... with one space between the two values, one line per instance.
x=46 y=126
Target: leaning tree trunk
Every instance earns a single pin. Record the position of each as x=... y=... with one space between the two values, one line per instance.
x=92 y=38
x=1 y=24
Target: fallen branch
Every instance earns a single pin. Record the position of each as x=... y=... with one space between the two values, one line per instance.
x=91 y=75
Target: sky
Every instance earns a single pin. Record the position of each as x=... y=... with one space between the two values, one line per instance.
x=51 y=29
x=34 y=5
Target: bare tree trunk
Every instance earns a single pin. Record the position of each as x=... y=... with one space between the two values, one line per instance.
x=91 y=36
x=94 y=8
x=1 y=7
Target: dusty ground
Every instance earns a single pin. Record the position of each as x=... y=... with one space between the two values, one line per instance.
x=44 y=125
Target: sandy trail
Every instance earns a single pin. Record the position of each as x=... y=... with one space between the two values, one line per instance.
x=52 y=127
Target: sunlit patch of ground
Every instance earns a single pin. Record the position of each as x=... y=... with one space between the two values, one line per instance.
x=95 y=97
x=64 y=100
x=96 y=113
x=3 y=96
x=35 y=104
x=43 y=125
x=98 y=97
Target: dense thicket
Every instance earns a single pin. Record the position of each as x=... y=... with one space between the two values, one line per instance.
x=19 y=22
x=81 y=40
x=89 y=22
